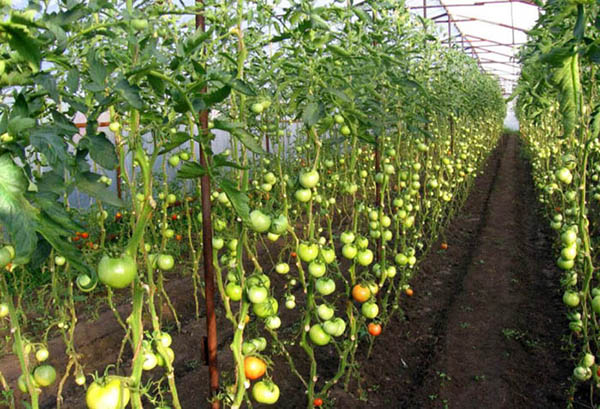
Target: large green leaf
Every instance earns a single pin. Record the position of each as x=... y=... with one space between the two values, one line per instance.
x=16 y=214
x=102 y=151
x=239 y=200
x=312 y=113
x=191 y=170
x=248 y=141
x=22 y=42
x=130 y=93
x=48 y=141
x=88 y=183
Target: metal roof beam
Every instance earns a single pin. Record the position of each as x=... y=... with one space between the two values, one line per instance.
x=477 y=3
x=493 y=23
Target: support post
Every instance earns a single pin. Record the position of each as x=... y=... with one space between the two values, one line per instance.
x=207 y=250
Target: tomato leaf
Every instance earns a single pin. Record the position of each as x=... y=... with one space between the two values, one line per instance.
x=217 y=96
x=312 y=113
x=242 y=87
x=191 y=170
x=130 y=93
x=18 y=124
x=248 y=140
x=177 y=140
x=16 y=214
x=239 y=200
x=48 y=141
x=65 y=249
x=220 y=161
x=88 y=183
x=102 y=151
x=22 y=42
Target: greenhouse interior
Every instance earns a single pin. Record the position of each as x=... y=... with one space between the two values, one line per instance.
x=299 y=204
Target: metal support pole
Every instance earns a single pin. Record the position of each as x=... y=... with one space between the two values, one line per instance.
x=207 y=252
x=424 y=8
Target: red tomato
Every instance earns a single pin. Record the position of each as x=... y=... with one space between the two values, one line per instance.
x=374 y=329
x=318 y=402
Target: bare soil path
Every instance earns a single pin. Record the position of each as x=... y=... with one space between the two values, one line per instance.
x=485 y=328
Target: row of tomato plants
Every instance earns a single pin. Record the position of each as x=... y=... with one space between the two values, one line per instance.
x=558 y=111
x=353 y=136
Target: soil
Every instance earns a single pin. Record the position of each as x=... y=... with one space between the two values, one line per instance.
x=483 y=329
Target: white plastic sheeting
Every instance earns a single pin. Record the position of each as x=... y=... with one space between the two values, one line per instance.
x=482 y=27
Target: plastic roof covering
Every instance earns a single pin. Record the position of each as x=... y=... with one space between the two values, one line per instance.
x=481 y=27
x=489 y=30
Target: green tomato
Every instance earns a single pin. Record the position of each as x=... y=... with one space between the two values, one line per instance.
x=7 y=254
x=42 y=354
x=265 y=392
x=345 y=130
x=218 y=243
x=565 y=264
x=44 y=375
x=111 y=395
x=596 y=304
x=259 y=221
x=569 y=237
x=309 y=179
x=234 y=291
x=273 y=322
x=282 y=268
x=290 y=302
x=165 y=262
x=139 y=24
x=174 y=160
x=267 y=308
x=316 y=269
x=257 y=107
x=571 y=298
x=257 y=294
x=328 y=255
x=22 y=383
x=248 y=348
x=150 y=361
x=325 y=286
x=370 y=309
x=335 y=327
x=60 y=261
x=318 y=335
x=260 y=343
x=362 y=242
x=279 y=224
x=117 y=272
x=349 y=251
x=308 y=251
x=114 y=126
x=364 y=257
x=582 y=374
x=4 y=310
x=303 y=195
x=347 y=237
x=85 y=283
x=325 y=312
x=569 y=253
x=261 y=280
x=338 y=119
x=564 y=175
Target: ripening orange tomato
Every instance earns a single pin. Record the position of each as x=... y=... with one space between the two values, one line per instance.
x=254 y=367
x=409 y=292
x=361 y=293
